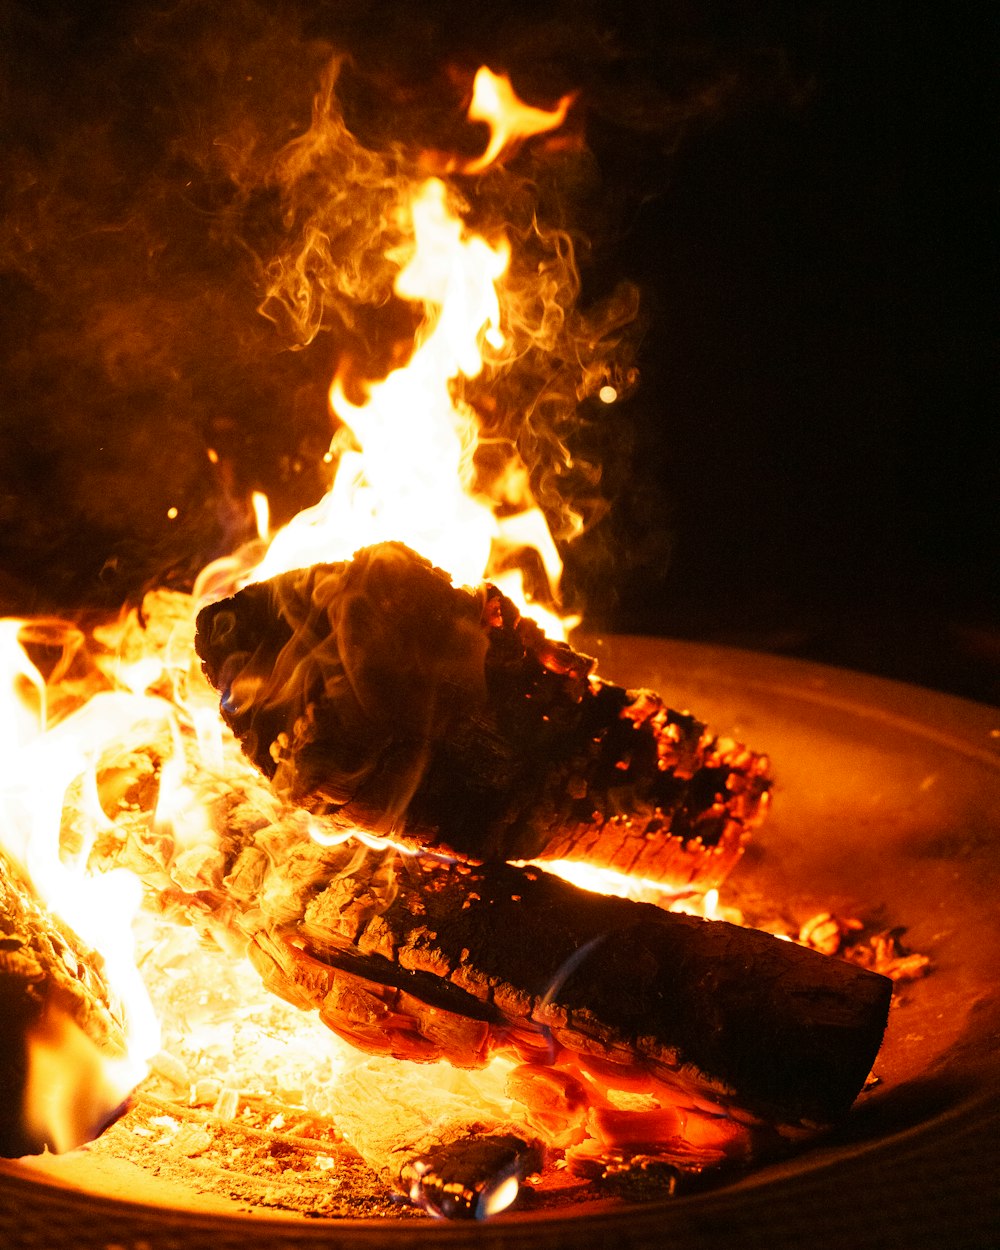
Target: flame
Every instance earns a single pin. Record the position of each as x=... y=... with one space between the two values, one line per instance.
x=640 y=889
x=39 y=764
x=262 y=513
x=415 y=440
x=404 y=454
x=510 y=120
x=71 y=1090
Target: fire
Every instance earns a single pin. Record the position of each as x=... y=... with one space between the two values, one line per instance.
x=404 y=453
x=69 y=1086
x=405 y=449
x=640 y=889
x=125 y=761
x=510 y=120
x=414 y=439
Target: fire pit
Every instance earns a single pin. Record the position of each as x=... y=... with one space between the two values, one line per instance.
x=886 y=803
x=460 y=356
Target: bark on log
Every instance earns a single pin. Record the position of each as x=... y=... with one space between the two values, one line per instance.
x=377 y=693
x=54 y=1003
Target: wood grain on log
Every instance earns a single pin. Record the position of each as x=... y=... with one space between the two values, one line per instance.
x=423 y=958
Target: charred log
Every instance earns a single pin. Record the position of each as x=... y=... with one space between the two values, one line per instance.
x=58 y=1023
x=377 y=693
x=460 y=963
x=422 y=958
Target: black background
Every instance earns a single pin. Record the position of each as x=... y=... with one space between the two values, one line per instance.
x=803 y=193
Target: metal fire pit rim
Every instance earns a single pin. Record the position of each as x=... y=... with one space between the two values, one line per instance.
x=963 y=725
x=769 y=1207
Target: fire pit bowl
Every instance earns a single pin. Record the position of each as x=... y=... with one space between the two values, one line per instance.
x=887 y=805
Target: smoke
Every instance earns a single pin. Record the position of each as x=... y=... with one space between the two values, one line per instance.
x=130 y=283
x=169 y=178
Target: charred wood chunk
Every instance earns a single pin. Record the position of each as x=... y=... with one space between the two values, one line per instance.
x=461 y=963
x=471 y=1178
x=59 y=1023
x=419 y=958
x=377 y=693
x=442 y=1149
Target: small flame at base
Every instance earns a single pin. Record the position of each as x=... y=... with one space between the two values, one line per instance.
x=72 y=1090
x=640 y=889
x=72 y=1087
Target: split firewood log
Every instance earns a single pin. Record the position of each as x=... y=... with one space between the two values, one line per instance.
x=60 y=1028
x=379 y=696
x=435 y=960
x=377 y=693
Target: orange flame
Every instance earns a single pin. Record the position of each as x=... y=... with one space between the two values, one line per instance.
x=510 y=120
x=405 y=471
x=414 y=439
x=38 y=765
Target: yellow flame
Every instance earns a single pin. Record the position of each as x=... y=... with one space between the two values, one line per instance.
x=408 y=475
x=37 y=769
x=404 y=455
x=510 y=120
x=21 y=717
x=415 y=440
x=640 y=889
x=262 y=514
x=71 y=1090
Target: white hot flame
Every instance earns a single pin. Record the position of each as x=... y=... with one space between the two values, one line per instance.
x=415 y=440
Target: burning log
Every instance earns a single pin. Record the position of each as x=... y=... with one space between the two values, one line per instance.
x=418 y=957
x=373 y=694
x=377 y=693
x=444 y=960
x=725 y=1032
x=60 y=1029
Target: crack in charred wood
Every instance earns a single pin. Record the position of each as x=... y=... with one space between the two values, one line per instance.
x=447 y=960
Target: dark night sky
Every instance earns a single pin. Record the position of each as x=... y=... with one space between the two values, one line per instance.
x=802 y=194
